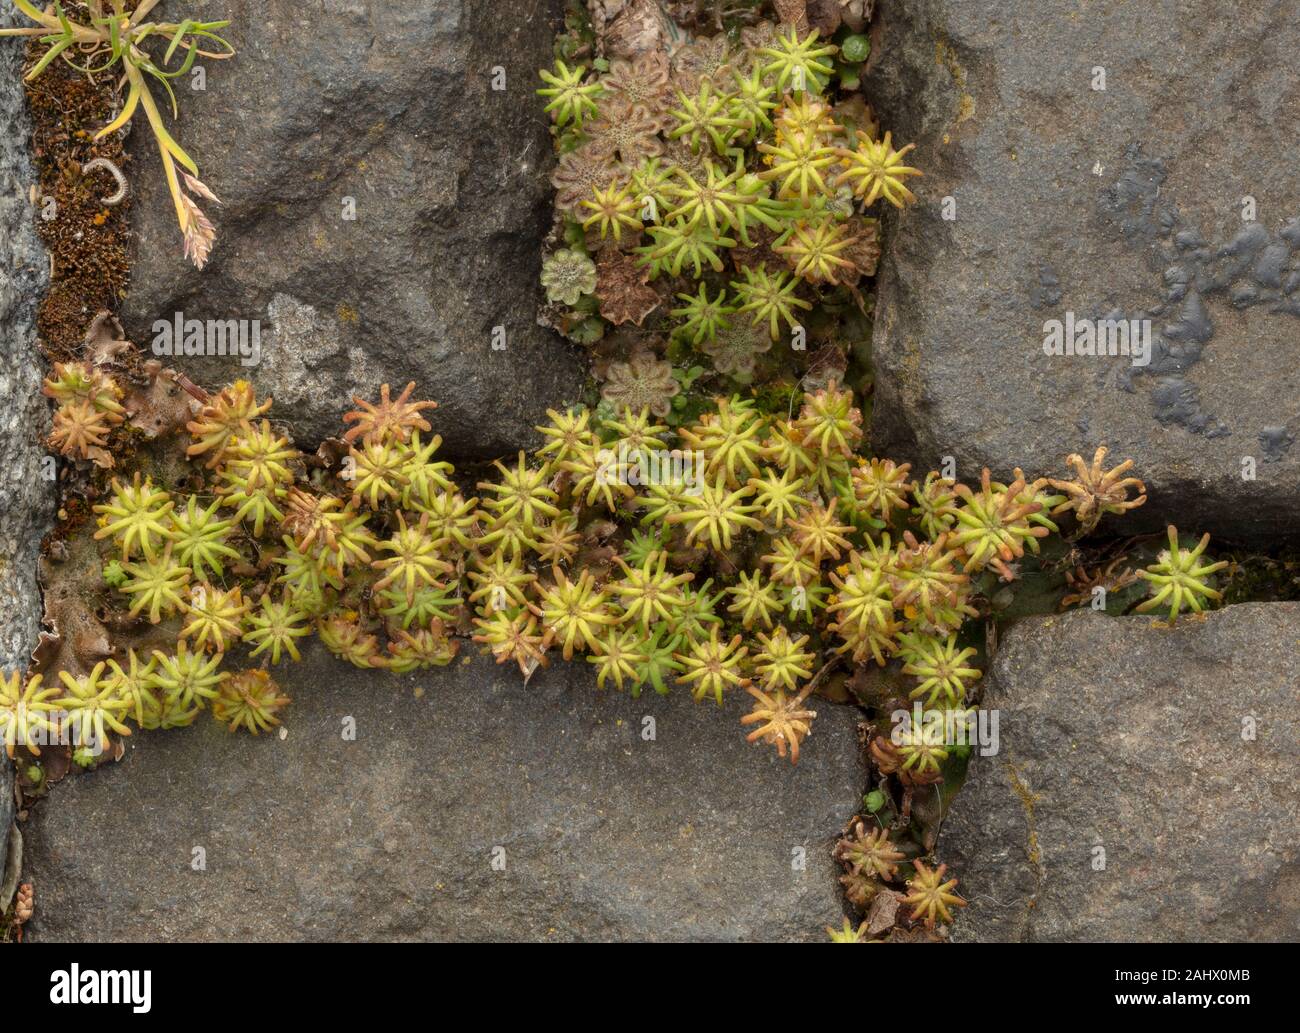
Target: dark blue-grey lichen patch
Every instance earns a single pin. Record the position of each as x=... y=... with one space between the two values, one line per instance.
x=1046 y=293
x=1254 y=267
x=1276 y=442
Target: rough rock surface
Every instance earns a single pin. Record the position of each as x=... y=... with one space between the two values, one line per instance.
x=6 y=814
x=605 y=835
x=386 y=110
x=25 y=495
x=1126 y=202
x=1122 y=737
